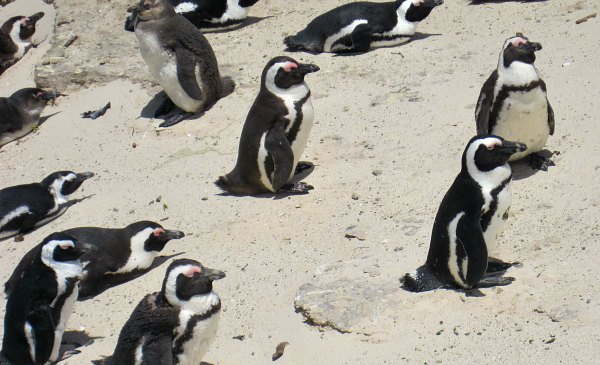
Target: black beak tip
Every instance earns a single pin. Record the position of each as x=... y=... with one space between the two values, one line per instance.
x=85 y=175
x=175 y=235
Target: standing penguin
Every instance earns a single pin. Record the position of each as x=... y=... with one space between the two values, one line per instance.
x=468 y=221
x=275 y=132
x=177 y=324
x=20 y=113
x=180 y=59
x=359 y=26
x=207 y=15
x=513 y=102
x=41 y=302
x=15 y=38
x=26 y=207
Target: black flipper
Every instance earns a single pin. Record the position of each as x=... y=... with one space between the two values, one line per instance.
x=497 y=267
x=421 y=280
x=551 y=119
x=42 y=326
x=361 y=38
x=186 y=72
x=280 y=150
x=484 y=105
x=297 y=188
x=470 y=236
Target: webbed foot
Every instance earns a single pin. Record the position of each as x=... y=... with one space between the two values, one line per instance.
x=174 y=119
x=539 y=162
x=164 y=108
x=297 y=188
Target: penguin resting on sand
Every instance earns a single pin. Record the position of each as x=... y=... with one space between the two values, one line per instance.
x=275 y=133
x=360 y=26
x=15 y=38
x=468 y=220
x=176 y=325
x=513 y=103
x=180 y=59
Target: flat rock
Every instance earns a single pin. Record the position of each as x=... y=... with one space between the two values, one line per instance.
x=349 y=296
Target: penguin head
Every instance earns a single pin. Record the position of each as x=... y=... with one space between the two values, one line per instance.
x=153 y=10
x=282 y=73
x=247 y=3
x=153 y=235
x=187 y=279
x=32 y=99
x=63 y=183
x=417 y=10
x=59 y=248
x=484 y=153
x=519 y=49
x=22 y=26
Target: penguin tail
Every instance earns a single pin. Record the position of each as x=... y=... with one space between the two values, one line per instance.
x=422 y=279
x=295 y=42
x=223 y=184
x=227 y=86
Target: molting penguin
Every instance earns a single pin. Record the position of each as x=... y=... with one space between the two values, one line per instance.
x=25 y=207
x=359 y=26
x=42 y=300
x=275 y=133
x=15 y=38
x=180 y=59
x=468 y=221
x=513 y=102
x=20 y=113
x=207 y=15
x=177 y=324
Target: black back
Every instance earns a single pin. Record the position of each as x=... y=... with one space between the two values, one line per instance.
x=34 y=196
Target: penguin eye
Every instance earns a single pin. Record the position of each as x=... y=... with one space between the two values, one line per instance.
x=65 y=246
x=194 y=270
x=157 y=232
x=491 y=147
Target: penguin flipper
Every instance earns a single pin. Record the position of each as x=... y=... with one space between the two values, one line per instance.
x=484 y=105
x=187 y=67
x=551 y=119
x=42 y=326
x=361 y=38
x=470 y=236
x=280 y=150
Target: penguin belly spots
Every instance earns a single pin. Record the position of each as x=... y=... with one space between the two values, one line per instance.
x=524 y=118
x=496 y=224
x=263 y=155
x=457 y=265
x=204 y=333
x=163 y=67
x=330 y=44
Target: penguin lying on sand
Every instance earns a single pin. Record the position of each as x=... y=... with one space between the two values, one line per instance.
x=360 y=26
x=20 y=113
x=177 y=324
x=180 y=59
x=513 y=103
x=275 y=133
x=15 y=38
x=207 y=15
x=26 y=207
x=41 y=302
x=468 y=221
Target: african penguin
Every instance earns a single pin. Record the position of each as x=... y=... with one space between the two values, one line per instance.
x=177 y=324
x=26 y=207
x=360 y=26
x=207 y=15
x=180 y=59
x=468 y=221
x=42 y=300
x=513 y=103
x=20 y=113
x=15 y=38
x=275 y=133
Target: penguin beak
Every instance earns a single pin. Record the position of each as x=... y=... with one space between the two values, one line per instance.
x=35 y=17
x=212 y=274
x=172 y=235
x=509 y=147
x=306 y=68
x=84 y=176
x=51 y=95
x=533 y=46
x=431 y=3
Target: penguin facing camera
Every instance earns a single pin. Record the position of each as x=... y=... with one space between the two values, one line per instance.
x=468 y=221
x=206 y=15
x=26 y=207
x=180 y=59
x=513 y=102
x=41 y=302
x=275 y=133
x=20 y=113
x=15 y=38
x=176 y=325
x=360 y=26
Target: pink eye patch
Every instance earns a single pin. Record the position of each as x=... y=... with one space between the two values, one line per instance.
x=288 y=66
x=195 y=269
x=519 y=41
x=157 y=232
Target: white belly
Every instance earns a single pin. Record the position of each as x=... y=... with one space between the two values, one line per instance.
x=204 y=334
x=65 y=313
x=398 y=34
x=163 y=67
x=524 y=118
x=494 y=229
x=458 y=270
x=298 y=145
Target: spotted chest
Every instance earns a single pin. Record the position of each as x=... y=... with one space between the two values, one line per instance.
x=194 y=336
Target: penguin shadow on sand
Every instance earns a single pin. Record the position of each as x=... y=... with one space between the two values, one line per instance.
x=109 y=283
x=41 y=121
x=108 y=361
x=481 y=2
x=72 y=341
x=250 y=20
x=152 y=109
x=521 y=169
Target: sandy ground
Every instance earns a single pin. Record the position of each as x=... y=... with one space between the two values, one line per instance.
x=407 y=111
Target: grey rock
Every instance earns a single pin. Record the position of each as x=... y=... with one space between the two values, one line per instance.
x=356 y=232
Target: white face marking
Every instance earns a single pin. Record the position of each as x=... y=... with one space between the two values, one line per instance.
x=30 y=336
x=139 y=257
x=55 y=190
x=453 y=265
x=22 y=44
x=518 y=73
x=329 y=46
x=12 y=215
x=171 y=285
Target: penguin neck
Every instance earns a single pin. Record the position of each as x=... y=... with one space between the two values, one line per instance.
x=22 y=44
x=517 y=73
x=55 y=190
x=489 y=179
x=295 y=92
x=198 y=304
